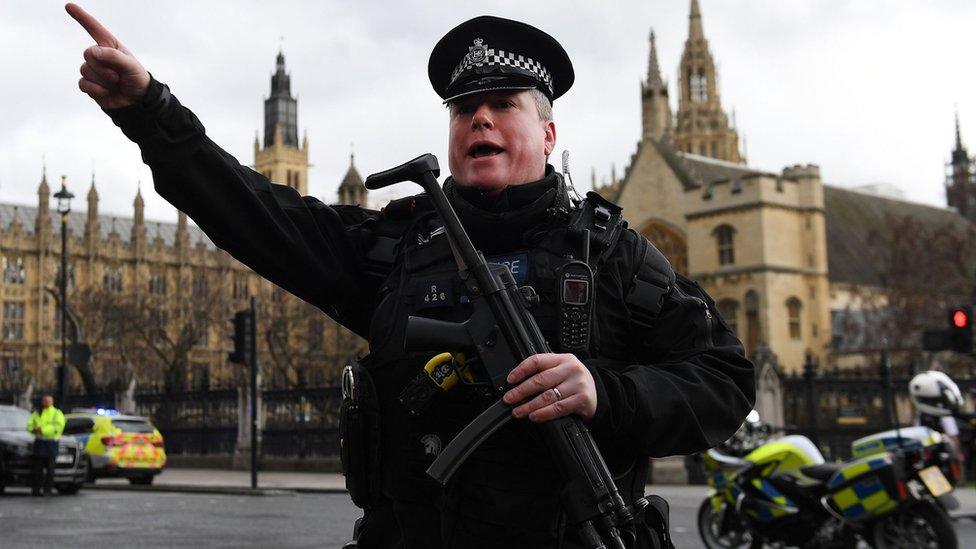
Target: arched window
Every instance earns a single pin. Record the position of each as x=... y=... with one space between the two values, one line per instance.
x=793 y=308
x=157 y=282
x=240 y=286
x=13 y=270
x=753 y=333
x=112 y=279
x=698 y=85
x=13 y=320
x=670 y=241
x=725 y=238
x=729 y=309
x=200 y=285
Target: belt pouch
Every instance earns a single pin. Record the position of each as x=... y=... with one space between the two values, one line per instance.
x=359 y=436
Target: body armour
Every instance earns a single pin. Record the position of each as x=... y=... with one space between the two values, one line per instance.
x=507 y=492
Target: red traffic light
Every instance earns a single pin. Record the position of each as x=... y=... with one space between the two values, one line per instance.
x=960 y=318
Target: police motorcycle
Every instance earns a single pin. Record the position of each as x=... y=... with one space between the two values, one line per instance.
x=894 y=493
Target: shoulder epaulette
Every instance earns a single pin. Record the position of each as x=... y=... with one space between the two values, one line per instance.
x=603 y=220
x=407 y=208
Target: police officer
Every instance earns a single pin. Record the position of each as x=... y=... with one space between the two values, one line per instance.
x=46 y=425
x=938 y=401
x=651 y=367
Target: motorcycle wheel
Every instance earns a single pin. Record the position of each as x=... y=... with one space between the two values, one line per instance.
x=918 y=526
x=710 y=530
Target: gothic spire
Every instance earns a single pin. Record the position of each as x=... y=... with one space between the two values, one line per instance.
x=139 y=207
x=695 y=31
x=42 y=188
x=654 y=80
x=92 y=201
x=959 y=154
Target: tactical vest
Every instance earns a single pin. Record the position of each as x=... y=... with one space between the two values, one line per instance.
x=510 y=476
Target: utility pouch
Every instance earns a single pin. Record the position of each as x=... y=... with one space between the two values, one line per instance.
x=656 y=517
x=359 y=436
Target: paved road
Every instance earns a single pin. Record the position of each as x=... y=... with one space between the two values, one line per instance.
x=100 y=518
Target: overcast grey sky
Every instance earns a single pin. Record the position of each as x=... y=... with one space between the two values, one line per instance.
x=864 y=88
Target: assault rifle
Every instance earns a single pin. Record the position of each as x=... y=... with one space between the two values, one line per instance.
x=503 y=333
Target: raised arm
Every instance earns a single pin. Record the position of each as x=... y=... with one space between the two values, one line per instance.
x=312 y=250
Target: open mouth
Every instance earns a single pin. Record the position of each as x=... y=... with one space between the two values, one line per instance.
x=484 y=149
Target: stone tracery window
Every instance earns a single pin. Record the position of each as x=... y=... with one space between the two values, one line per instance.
x=157 y=283
x=13 y=270
x=13 y=320
x=112 y=279
x=670 y=242
x=698 y=86
x=240 y=286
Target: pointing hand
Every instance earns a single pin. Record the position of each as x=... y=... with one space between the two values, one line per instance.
x=110 y=75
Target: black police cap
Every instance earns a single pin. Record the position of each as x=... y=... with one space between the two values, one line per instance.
x=490 y=53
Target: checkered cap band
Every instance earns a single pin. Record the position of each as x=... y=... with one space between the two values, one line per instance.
x=502 y=58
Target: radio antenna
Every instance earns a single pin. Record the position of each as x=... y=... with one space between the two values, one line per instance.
x=569 y=179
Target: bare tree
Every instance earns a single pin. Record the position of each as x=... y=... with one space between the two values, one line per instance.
x=164 y=330
x=297 y=339
x=924 y=269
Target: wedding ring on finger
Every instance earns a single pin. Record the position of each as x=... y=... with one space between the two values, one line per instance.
x=557 y=394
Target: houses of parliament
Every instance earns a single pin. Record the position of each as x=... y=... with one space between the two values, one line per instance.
x=782 y=253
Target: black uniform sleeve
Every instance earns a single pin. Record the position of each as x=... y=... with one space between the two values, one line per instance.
x=299 y=243
x=689 y=385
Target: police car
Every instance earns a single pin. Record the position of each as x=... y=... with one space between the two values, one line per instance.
x=118 y=445
x=16 y=448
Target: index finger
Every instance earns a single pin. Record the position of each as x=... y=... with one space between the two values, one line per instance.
x=534 y=364
x=97 y=31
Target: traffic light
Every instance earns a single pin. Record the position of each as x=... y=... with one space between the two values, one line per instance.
x=958 y=336
x=243 y=342
x=960 y=332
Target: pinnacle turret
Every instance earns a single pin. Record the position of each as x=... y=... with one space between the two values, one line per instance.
x=695 y=30
x=352 y=191
x=655 y=106
x=959 y=154
x=139 y=207
x=960 y=182
x=654 y=80
x=92 y=202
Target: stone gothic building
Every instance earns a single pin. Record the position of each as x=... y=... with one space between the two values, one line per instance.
x=784 y=255
x=114 y=258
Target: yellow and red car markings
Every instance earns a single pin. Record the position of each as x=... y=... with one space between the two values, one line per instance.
x=137 y=451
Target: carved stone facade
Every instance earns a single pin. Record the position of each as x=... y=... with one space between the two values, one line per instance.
x=779 y=251
x=702 y=126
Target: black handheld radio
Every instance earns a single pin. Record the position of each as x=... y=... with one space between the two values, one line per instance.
x=575 y=291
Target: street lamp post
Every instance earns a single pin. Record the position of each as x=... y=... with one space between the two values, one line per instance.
x=64 y=208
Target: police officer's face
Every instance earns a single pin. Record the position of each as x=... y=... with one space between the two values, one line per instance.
x=47 y=402
x=498 y=139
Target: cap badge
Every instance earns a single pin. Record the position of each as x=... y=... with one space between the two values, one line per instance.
x=478 y=52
